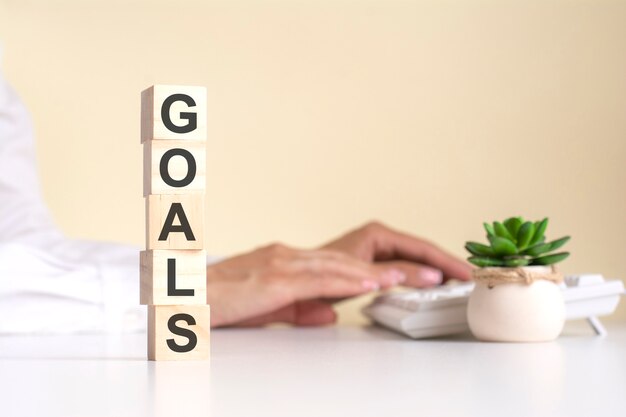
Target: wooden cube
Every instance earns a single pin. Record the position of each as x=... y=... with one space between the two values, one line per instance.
x=175 y=221
x=174 y=167
x=172 y=277
x=173 y=112
x=179 y=332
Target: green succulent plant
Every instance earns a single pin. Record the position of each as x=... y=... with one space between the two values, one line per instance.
x=516 y=242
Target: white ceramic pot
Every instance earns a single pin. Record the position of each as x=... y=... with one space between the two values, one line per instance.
x=516 y=311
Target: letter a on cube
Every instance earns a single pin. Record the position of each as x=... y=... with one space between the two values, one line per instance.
x=175 y=221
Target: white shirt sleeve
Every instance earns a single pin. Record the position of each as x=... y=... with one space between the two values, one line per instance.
x=49 y=283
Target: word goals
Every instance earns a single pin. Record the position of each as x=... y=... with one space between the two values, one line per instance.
x=173 y=266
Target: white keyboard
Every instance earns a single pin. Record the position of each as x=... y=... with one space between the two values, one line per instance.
x=442 y=310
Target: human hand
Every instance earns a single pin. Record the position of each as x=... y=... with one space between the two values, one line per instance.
x=281 y=284
x=422 y=262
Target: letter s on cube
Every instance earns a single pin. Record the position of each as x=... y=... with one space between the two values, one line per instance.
x=179 y=332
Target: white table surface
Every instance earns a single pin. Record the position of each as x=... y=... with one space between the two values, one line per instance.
x=331 y=371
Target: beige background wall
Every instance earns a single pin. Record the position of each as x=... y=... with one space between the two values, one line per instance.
x=431 y=116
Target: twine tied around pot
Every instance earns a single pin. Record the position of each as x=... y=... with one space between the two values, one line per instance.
x=495 y=276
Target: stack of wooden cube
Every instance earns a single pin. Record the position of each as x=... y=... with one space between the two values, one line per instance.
x=173 y=266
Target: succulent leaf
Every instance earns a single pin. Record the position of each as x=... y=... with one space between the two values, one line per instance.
x=502 y=246
x=483 y=261
x=525 y=234
x=513 y=224
x=550 y=259
x=540 y=229
x=479 y=249
x=516 y=243
x=502 y=231
x=516 y=262
x=556 y=244
x=538 y=249
x=489 y=229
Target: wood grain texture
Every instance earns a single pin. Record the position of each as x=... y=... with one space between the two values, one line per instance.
x=159 y=333
x=190 y=270
x=177 y=167
x=159 y=206
x=152 y=126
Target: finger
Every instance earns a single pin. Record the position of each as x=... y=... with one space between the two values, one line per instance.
x=391 y=244
x=342 y=265
x=303 y=313
x=305 y=286
x=417 y=275
x=314 y=313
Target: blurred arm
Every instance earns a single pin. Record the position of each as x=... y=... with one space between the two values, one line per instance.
x=49 y=283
